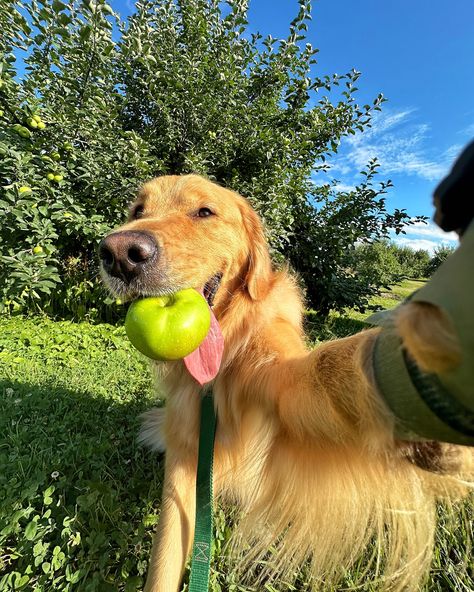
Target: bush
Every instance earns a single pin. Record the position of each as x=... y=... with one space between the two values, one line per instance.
x=185 y=88
x=382 y=263
x=378 y=263
x=67 y=169
x=413 y=262
x=328 y=234
x=441 y=253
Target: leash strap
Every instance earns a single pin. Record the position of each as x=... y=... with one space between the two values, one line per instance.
x=202 y=547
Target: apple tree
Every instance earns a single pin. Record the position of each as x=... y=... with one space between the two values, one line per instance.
x=181 y=86
x=67 y=167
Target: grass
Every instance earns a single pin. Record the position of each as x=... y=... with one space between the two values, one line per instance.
x=79 y=498
x=341 y=325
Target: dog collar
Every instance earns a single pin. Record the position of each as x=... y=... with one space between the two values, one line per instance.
x=433 y=406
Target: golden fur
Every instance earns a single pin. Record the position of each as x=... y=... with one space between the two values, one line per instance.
x=304 y=446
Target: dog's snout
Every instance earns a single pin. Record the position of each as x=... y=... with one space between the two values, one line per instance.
x=125 y=254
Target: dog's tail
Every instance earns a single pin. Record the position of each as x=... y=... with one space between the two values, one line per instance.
x=151 y=433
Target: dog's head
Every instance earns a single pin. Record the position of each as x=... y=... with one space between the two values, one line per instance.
x=186 y=232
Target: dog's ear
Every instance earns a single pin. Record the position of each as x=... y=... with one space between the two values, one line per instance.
x=259 y=266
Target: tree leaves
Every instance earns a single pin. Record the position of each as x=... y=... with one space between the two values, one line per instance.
x=183 y=88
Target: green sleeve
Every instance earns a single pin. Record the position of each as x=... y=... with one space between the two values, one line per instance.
x=429 y=406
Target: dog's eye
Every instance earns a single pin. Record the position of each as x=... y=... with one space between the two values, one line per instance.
x=138 y=212
x=204 y=213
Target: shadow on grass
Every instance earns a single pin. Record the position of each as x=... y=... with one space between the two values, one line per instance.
x=79 y=497
x=332 y=327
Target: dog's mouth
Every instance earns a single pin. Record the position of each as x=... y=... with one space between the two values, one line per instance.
x=133 y=266
x=135 y=291
x=210 y=288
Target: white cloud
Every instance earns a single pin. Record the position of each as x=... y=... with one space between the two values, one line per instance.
x=430 y=230
x=401 y=145
x=468 y=131
x=344 y=187
x=424 y=236
x=386 y=120
x=416 y=244
x=339 y=167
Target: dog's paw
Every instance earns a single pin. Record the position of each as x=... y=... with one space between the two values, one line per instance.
x=152 y=431
x=428 y=336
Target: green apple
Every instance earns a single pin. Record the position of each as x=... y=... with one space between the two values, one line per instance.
x=37 y=118
x=50 y=176
x=41 y=125
x=32 y=123
x=24 y=189
x=37 y=250
x=58 y=178
x=22 y=131
x=168 y=327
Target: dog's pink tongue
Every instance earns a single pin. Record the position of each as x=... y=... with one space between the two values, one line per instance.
x=204 y=362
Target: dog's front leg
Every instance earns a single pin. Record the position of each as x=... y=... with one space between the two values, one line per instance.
x=174 y=535
x=327 y=394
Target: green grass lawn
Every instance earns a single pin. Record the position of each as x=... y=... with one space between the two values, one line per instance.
x=78 y=498
x=341 y=325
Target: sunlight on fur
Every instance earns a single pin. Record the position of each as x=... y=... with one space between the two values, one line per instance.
x=429 y=336
x=305 y=458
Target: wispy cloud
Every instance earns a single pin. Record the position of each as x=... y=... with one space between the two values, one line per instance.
x=400 y=143
x=416 y=244
x=344 y=187
x=468 y=131
x=430 y=230
x=425 y=236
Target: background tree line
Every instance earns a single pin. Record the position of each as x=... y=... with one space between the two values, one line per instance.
x=92 y=106
x=383 y=263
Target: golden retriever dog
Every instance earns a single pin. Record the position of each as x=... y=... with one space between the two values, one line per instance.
x=305 y=451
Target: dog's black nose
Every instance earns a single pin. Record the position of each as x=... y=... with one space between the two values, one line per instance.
x=125 y=254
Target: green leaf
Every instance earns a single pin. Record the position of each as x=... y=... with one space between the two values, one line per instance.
x=85 y=32
x=46 y=567
x=58 y=6
x=21 y=581
x=31 y=529
x=39 y=549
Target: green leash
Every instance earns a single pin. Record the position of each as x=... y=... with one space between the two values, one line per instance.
x=202 y=547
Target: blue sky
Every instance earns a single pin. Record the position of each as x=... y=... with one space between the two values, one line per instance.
x=419 y=54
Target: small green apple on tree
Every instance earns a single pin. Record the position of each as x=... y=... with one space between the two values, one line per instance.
x=168 y=327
